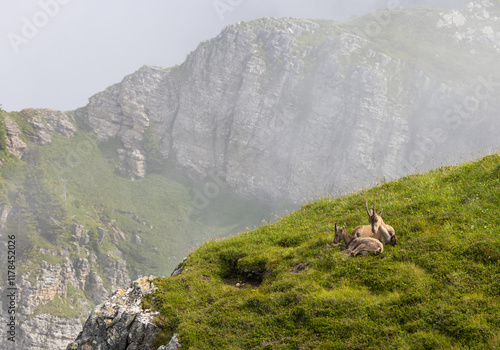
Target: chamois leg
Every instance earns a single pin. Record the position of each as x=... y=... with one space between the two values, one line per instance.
x=358 y=249
x=364 y=249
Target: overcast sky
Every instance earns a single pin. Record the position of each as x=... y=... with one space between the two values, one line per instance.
x=58 y=53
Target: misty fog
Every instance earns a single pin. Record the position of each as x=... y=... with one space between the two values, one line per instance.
x=81 y=47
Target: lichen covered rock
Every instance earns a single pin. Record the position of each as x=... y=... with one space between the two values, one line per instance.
x=120 y=323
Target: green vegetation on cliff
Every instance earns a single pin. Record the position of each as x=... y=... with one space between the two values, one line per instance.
x=438 y=288
x=153 y=221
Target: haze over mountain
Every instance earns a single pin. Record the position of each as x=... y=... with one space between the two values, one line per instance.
x=54 y=64
x=287 y=109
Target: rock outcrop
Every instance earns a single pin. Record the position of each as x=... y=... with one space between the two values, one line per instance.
x=288 y=109
x=15 y=143
x=174 y=344
x=44 y=123
x=47 y=122
x=133 y=163
x=120 y=323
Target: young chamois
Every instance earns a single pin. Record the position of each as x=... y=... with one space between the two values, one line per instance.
x=377 y=228
x=357 y=245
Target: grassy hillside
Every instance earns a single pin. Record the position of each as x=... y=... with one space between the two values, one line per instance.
x=438 y=288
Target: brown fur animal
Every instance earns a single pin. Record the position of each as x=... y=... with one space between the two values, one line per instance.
x=357 y=245
x=377 y=228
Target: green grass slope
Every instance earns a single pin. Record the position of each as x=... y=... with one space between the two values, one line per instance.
x=438 y=288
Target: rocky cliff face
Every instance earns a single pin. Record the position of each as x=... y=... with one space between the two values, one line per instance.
x=43 y=124
x=46 y=123
x=55 y=297
x=287 y=109
x=56 y=292
x=44 y=284
x=15 y=143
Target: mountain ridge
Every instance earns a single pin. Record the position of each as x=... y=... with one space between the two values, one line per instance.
x=269 y=104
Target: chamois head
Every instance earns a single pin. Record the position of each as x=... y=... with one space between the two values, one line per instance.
x=374 y=218
x=339 y=234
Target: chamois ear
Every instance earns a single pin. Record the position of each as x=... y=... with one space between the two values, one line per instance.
x=343 y=227
x=380 y=212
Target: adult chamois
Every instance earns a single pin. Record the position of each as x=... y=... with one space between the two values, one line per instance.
x=377 y=228
x=357 y=245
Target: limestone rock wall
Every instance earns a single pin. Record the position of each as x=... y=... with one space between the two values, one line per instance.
x=53 y=299
x=289 y=109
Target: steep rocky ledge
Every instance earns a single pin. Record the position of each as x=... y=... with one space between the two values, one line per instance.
x=57 y=290
x=56 y=297
x=287 y=109
x=15 y=143
x=120 y=323
x=47 y=122
x=44 y=123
